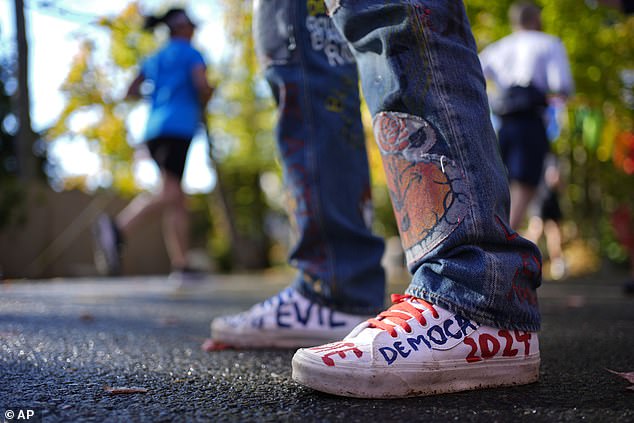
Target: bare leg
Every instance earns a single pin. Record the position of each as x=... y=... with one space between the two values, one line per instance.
x=171 y=200
x=535 y=229
x=176 y=225
x=552 y=231
x=553 y=244
x=138 y=210
x=521 y=196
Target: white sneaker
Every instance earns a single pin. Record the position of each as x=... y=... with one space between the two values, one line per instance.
x=557 y=269
x=187 y=278
x=416 y=349
x=287 y=320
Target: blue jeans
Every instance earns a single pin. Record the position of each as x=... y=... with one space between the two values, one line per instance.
x=314 y=80
x=424 y=86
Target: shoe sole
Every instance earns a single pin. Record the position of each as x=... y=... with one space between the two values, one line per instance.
x=275 y=339
x=439 y=378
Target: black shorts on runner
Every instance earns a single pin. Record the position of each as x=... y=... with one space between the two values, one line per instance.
x=170 y=153
x=523 y=145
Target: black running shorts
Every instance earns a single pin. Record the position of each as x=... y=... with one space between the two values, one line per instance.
x=170 y=154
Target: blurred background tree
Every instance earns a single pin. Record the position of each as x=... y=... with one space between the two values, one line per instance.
x=91 y=89
x=241 y=120
x=244 y=221
x=22 y=152
x=11 y=196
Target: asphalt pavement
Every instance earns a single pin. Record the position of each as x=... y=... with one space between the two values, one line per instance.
x=65 y=343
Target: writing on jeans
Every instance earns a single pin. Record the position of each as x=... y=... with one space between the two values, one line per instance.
x=324 y=36
x=436 y=336
x=339 y=348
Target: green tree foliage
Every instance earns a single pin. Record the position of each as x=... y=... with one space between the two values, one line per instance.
x=96 y=85
x=243 y=126
x=596 y=146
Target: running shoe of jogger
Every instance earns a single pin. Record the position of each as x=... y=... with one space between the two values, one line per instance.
x=470 y=316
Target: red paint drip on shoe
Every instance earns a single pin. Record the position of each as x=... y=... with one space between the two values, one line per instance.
x=210 y=345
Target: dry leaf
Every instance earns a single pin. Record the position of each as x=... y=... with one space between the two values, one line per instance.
x=575 y=301
x=169 y=321
x=629 y=376
x=115 y=390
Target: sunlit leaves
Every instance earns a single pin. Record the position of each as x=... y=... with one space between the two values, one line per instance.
x=94 y=86
x=128 y=41
x=242 y=119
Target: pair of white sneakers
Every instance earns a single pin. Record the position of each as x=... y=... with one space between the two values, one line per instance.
x=412 y=349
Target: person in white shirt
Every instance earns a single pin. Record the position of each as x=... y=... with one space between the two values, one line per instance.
x=524 y=71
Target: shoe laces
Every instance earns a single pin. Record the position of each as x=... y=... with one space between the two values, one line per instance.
x=405 y=307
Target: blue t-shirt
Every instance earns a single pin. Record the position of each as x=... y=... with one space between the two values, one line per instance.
x=174 y=104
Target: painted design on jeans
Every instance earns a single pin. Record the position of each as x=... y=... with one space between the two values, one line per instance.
x=338 y=101
x=509 y=233
x=300 y=196
x=316 y=7
x=442 y=336
x=301 y=205
x=324 y=36
x=504 y=344
x=338 y=348
x=454 y=21
x=456 y=24
x=526 y=278
x=424 y=16
x=428 y=190
x=301 y=210
x=315 y=285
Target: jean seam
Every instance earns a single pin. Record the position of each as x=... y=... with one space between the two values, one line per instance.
x=453 y=131
x=313 y=165
x=457 y=134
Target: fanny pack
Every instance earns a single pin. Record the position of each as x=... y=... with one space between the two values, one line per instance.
x=518 y=99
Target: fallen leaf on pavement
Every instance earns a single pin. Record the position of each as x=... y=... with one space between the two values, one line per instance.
x=211 y=345
x=169 y=321
x=629 y=376
x=575 y=301
x=114 y=390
